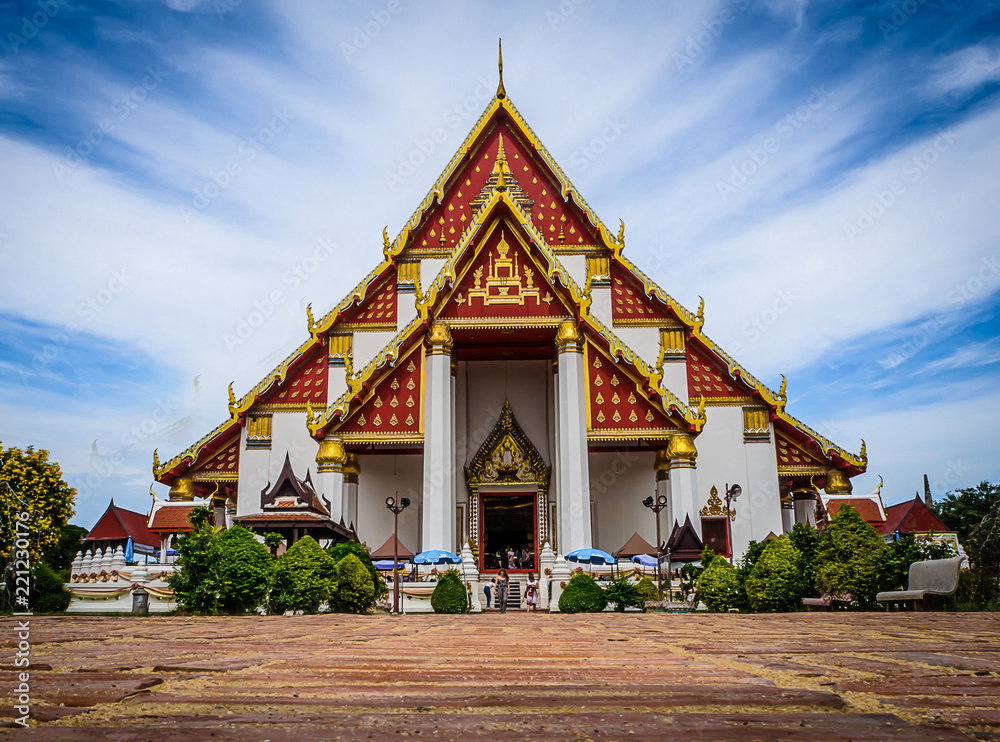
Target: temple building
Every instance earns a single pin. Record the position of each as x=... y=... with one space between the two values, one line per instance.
x=510 y=370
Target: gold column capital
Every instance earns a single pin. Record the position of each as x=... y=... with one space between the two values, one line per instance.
x=352 y=468
x=331 y=455
x=439 y=340
x=182 y=490
x=682 y=451
x=662 y=462
x=837 y=483
x=568 y=338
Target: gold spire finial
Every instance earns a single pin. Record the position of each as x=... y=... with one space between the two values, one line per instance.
x=501 y=93
x=500 y=166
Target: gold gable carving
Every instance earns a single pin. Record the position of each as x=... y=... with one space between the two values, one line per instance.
x=507 y=457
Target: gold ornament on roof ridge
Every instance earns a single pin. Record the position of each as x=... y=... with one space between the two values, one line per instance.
x=501 y=93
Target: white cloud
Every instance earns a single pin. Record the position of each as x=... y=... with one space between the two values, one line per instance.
x=966 y=70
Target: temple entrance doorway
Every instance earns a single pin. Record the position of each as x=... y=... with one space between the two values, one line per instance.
x=508 y=531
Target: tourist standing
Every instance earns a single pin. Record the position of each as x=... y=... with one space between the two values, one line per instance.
x=488 y=589
x=502 y=584
x=531 y=592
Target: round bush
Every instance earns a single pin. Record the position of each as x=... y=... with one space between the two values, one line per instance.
x=777 y=581
x=849 y=557
x=582 y=595
x=647 y=590
x=355 y=591
x=718 y=587
x=450 y=595
x=49 y=594
x=339 y=551
x=302 y=579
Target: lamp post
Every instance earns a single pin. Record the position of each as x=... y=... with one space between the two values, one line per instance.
x=731 y=494
x=656 y=504
x=390 y=502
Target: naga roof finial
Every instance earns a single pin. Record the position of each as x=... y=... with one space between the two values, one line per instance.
x=701 y=310
x=156 y=462
x=863 y=455
x=386 y=247
x=232 y=397
x=501 y=93
x=783 y=391
x=310 y=322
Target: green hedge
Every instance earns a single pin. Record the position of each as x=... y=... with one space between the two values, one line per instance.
x=776 y=581
x=303 y=579
x=582 y=595
x=450 y=595
x=718 y=587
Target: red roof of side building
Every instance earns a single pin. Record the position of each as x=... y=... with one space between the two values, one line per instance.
x=867 y=509
x=118 y=524
x=912 y=516
x=171 y=519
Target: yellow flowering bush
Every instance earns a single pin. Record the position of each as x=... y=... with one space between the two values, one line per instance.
x=36 y=487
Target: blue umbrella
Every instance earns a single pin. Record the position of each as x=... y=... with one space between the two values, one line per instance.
x=591 y=556
x=644 y=559
x=129 y=551
x=437 y=556
x=386 y=564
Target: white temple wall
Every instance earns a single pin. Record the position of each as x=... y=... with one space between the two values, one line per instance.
x=254 y=464
x=645 y=341
x=406 y=307
x=336 y=382
x=487 y=384
x=367 y=345
x=724 y=458
x=619 y=481
x=600 y=304
x=290 y=434
x=675 y=378
x=383 y=476
x=429 y=268
x=576 y=266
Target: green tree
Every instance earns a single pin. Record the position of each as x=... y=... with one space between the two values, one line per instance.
x=647 y=590
x=984 y=557
x=303 y=578
x=964 y=509
x=805 y=538
x=61 y=555
x=31 y=484
x=849 y=557
x=355 y=591
x=582 y=595
x=339 y=551
x=450 y=595
x=220 y=571
x=718 y=586
x=622 y=593
x=776 y=581
x=49 y=594
x=272 y=541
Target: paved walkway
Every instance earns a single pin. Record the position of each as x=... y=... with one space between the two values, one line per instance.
x=931 y=676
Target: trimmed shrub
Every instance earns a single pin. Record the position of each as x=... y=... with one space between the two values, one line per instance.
x=339 y=551
x=622 y=594
x=849 y=557
x=647 y=590
x=718 y=586
x=302 y=578
x=582 y=595
x=776 y=582
x=355 y=592
x=196 y=581
x=450 y=595
x=245 y=569
x=49 y=594
x=806 y=539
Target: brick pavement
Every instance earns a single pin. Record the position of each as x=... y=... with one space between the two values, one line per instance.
x=837 y=676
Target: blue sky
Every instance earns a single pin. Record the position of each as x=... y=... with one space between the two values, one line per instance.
x=825 y=174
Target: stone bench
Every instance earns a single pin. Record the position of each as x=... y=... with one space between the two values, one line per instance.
x=935 y=578
x=827 y=601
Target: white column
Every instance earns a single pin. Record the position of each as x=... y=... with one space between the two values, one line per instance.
x=438 y=531
x=458 y=541
x=787 y=513
x=555 y=483
x=352 y=470
x=661 y=466
x=330 y=460
x=574 y=477
x=805 y=507
x=683 y=480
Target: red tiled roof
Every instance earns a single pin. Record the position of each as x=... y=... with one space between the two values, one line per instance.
x=171 y=518
x=118 y=524
x=912 y=516
x=867 y=509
